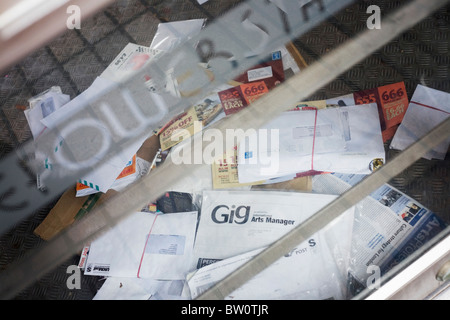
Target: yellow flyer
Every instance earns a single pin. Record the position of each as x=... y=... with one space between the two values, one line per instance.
x=180 y=129
x=192 y=121
x=225 y=173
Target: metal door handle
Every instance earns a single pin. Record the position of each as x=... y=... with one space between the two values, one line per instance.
x=444 y=272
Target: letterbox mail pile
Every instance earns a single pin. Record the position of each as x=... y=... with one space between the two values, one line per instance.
x=166 y=253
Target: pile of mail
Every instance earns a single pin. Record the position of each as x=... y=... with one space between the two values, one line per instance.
x=240 y=204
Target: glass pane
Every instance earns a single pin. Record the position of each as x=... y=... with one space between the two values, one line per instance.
x=201 y=133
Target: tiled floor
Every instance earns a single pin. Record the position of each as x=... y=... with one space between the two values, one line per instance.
x=76 y=58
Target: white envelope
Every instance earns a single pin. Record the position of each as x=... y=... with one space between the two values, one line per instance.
x=345 y=139
x=145 y=245
x=171 y=34
x=42 y=106
x=131 y=58
x=427 y=108
x=99 y=87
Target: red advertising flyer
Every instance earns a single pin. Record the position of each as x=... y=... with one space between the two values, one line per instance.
x=392 y=102
x=129 y=169
x=90 y=187
x=235 y=99
x=270 y=71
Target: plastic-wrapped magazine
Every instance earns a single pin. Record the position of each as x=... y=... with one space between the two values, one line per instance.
x=237 y=222
x=389 y=225
x=309 y=272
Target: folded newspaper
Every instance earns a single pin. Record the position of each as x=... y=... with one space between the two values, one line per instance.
x=389 y=225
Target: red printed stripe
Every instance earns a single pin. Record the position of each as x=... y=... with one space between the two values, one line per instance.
x=146 y=242
x=314 y=141
x=434 y=108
